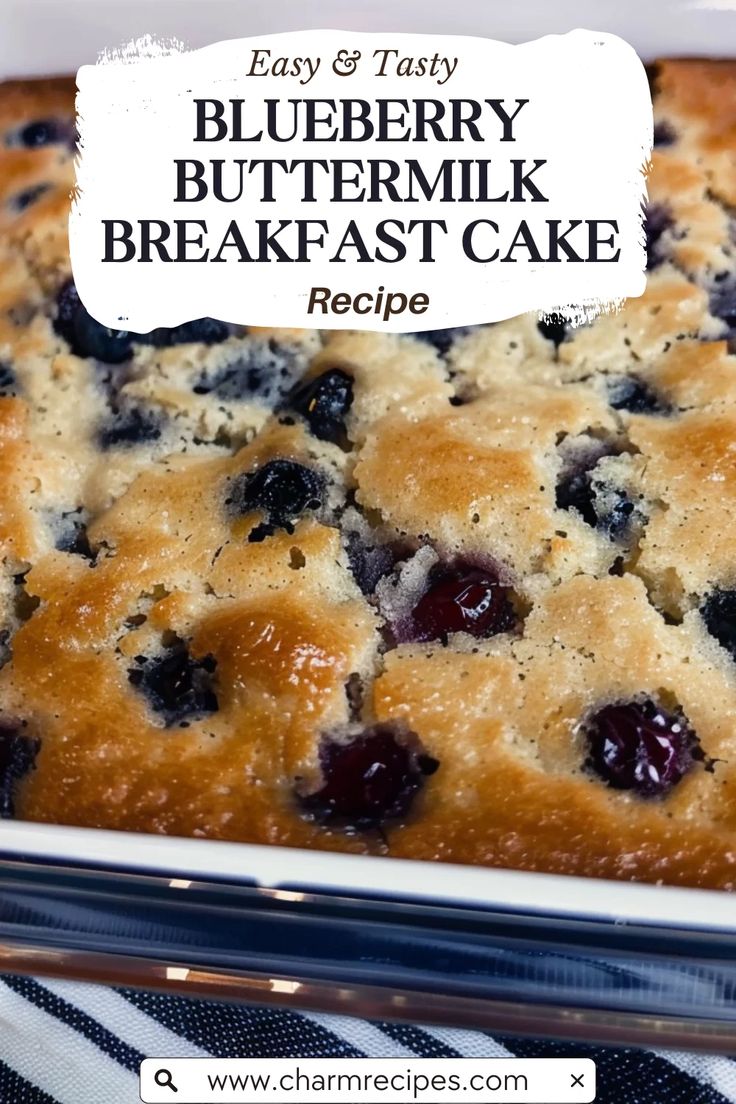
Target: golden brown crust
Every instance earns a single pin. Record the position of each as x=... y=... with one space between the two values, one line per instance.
x=40 y=229
x=448 y=452
x=514 y=793
x=698 y=98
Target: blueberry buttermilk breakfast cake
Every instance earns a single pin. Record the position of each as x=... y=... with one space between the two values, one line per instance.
x=464 y=595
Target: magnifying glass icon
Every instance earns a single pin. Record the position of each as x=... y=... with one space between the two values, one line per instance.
x=163 y=1079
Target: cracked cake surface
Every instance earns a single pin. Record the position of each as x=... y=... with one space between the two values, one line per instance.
x=464 y=595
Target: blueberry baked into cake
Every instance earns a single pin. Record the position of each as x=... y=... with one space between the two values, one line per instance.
x=464 y=595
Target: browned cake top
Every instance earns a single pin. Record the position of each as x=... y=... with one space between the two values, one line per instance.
x=468 y=595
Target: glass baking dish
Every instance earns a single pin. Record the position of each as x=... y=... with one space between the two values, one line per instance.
x=503 y=950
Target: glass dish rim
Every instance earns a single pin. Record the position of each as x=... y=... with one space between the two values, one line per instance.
x=273 y=866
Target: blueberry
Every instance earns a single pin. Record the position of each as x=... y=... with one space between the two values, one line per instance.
x=204 y=331
x=372 y=778
x=616 y=521
x=87 y=338
x=130 y=426
x=72 y=535
x=575 y=492
x=84 y=335
x=8 y=381
x=369 y=563
x=723 y=302
x=46 y=132
x=632 y=394
x=90 y=339
x=442 y=340
x=578 y=491
x=18 y=753
x=641 y=746
x=607 y=509
x=175 y=684
x=554 y=328
x=719 y=614
x=323 y=403
x=21 y=201
x=664 y=134
x=462 y=598
x=282 y=490
x=657 y=220
x=263 y=370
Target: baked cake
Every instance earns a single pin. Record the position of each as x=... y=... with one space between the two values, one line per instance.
x=464 y=595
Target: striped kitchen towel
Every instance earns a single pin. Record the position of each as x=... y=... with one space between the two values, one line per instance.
x=64 y=1043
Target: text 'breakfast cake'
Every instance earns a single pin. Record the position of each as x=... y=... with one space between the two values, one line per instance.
x=464 y=595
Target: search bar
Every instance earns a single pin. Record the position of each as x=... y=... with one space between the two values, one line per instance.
x=367 y=1080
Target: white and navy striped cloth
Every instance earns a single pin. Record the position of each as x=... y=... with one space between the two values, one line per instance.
x=63 y=1043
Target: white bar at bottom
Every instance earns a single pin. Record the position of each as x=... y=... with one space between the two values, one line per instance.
x=367 y=1080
